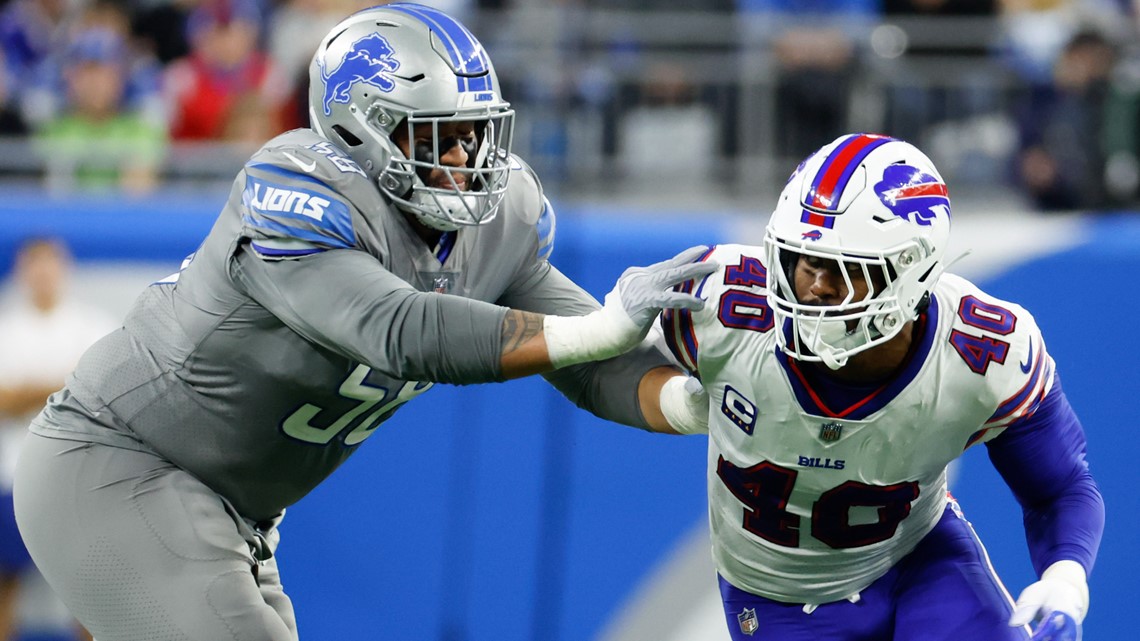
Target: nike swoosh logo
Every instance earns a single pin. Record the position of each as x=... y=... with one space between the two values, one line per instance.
x=1028 y=359
x=306 y=167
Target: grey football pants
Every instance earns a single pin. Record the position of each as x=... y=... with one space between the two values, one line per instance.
x=140 y=550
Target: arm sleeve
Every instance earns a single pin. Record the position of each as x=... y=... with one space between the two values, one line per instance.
x=607 y=389
x=1042 y=459
x=347 y=302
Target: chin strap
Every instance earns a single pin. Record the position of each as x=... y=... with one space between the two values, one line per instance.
x=830 y=360
x=826 y=339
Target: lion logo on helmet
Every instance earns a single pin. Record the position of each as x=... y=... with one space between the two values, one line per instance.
x=912 y=194
x=369 y=60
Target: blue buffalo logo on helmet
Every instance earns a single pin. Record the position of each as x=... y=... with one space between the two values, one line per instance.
x=814 y=234
x=912 y=194
x=369 y=60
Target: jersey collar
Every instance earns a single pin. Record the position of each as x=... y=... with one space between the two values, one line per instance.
x=827 y=397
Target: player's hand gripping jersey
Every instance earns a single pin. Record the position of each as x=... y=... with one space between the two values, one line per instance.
x=817 y=488
x=302 y=323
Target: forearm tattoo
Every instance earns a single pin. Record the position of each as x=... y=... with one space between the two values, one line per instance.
x=518 y=328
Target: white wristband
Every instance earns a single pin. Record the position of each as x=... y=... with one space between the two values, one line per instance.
x=1074 y=574
x=599 y=335
x=685 y=405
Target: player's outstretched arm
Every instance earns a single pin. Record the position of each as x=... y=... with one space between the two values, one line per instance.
x=534 y=343
x=1043 y=460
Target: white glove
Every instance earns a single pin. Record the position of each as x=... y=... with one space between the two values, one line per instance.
x=685 y=405
x=1063 y=588
x=629 y=311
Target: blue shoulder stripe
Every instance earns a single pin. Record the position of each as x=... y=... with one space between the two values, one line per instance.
x=296 y=209
x=276 y=229
x=276 y=252
x=546 y=227
x=1035 y=383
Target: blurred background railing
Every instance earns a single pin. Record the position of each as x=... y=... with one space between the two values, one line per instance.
x=1027 y=102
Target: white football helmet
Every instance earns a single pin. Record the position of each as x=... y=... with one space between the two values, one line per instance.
x=402 y=65
x=878 y=208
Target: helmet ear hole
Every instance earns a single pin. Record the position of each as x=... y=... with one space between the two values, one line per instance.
x=347 y=136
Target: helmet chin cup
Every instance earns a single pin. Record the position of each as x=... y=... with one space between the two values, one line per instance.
x=829 y=340
x=444 y=212
x=434 y=222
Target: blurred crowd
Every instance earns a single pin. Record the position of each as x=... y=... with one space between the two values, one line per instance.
x=1042 y=96
x=104 y=87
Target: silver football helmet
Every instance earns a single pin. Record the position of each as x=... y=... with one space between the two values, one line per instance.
x=407 y=65
x=879 y=209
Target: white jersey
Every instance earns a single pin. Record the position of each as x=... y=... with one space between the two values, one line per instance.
x=815 y=491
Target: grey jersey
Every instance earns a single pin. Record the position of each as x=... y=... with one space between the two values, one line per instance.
x=309 y=314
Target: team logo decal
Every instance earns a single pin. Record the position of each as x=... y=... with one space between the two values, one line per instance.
x=830 y=432
x=912 y=194
x=369 y=60
x=748 y=623
x=814 y=234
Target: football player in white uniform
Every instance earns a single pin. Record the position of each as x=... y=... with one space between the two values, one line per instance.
x=845 y=372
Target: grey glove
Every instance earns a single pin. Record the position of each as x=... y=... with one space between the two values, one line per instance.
x=644 y=291
x=628 y=313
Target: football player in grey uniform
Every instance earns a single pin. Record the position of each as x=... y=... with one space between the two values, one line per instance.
x=395 y=244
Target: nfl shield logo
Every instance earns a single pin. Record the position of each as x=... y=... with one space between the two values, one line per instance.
x=830 y=432
x=748 y=622
x=439 y=282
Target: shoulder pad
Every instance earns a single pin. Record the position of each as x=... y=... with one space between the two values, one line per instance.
x=546 y=227
x=524 y=192
x=1001 y=342
x=289 y=196
x=741 y=268
x=526 y=203
x=306 y=152
x=679 y=327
